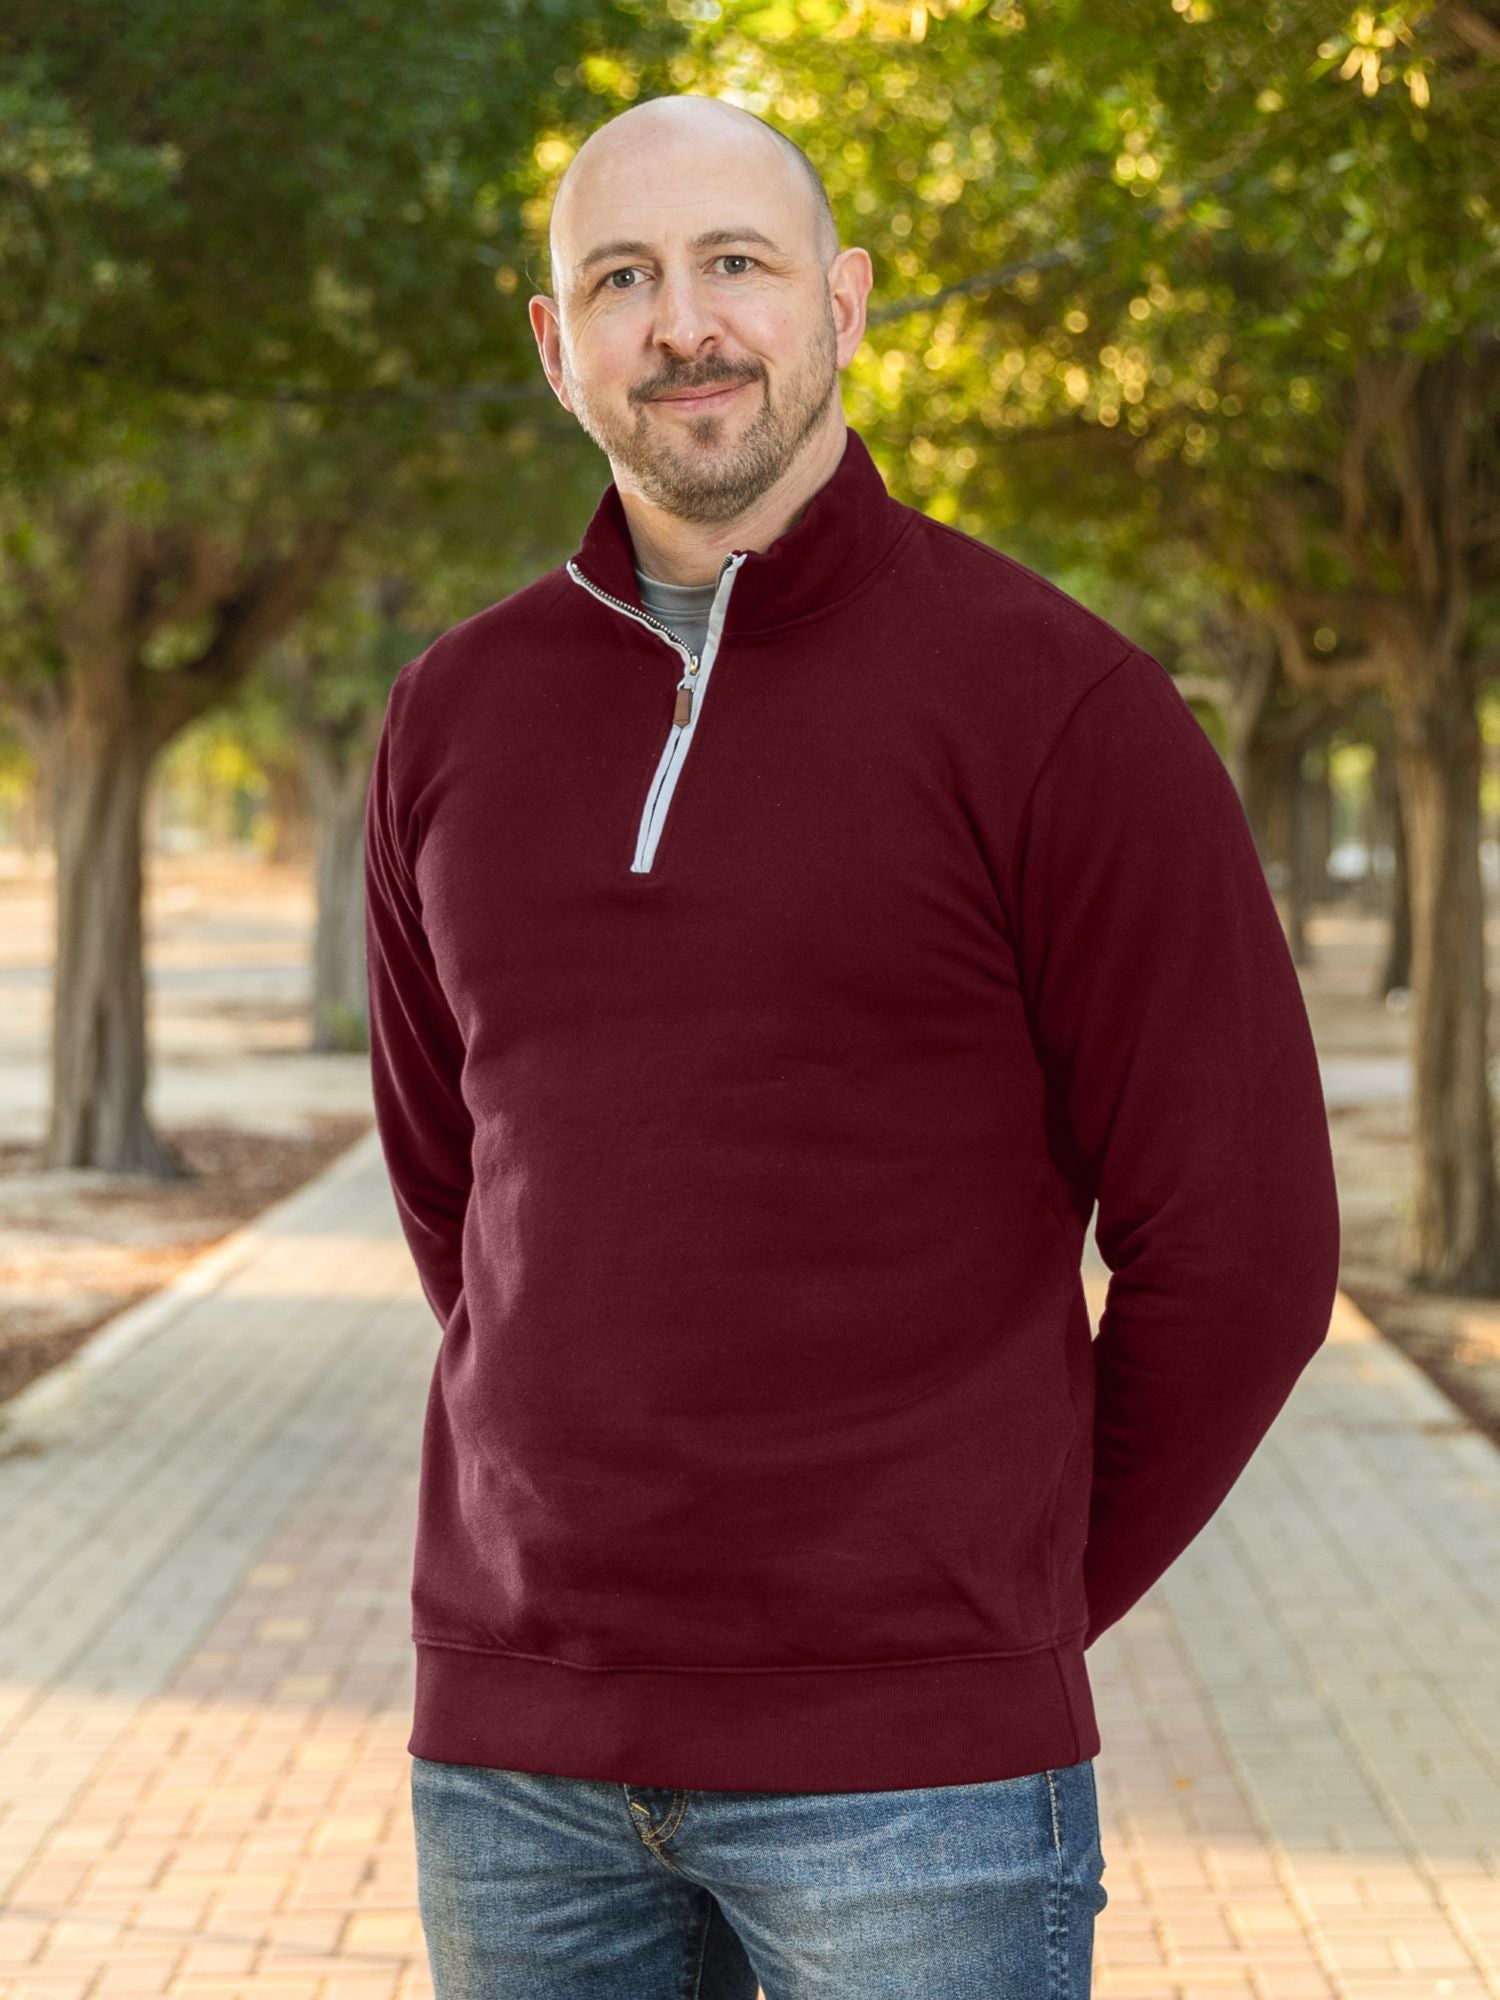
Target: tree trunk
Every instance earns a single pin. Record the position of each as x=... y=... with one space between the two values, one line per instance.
x=95 y=725
x=293 y=832
x=1320 y=823
x=1312 y=822
x=336 y=763
x=100 y=752
x=1246 y=654
x=1456 y=1227
x=31 y=827
x=1292 y=786
x=1391 y=895
x=1260 y=787
x=1410 y=501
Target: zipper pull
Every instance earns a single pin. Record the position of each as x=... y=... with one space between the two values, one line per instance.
x=682 y=714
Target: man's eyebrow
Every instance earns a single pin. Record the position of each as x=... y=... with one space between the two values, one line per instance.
x=633 y=247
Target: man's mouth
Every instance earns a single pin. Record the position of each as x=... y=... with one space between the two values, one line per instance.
x=711 y=396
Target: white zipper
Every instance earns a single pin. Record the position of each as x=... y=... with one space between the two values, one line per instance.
x=691 y=690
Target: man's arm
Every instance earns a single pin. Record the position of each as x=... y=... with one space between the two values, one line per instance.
x=416 y=1049
x=1184 y=1096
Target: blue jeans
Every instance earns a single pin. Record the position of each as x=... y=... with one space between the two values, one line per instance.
x=558 y=1888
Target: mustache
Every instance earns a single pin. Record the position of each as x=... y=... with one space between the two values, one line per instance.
x=674 y=385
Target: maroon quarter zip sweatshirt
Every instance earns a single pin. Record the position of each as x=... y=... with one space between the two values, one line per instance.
x=753 y=1034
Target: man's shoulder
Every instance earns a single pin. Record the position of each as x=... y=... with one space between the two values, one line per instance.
x=1006 y=618
x=478 y=643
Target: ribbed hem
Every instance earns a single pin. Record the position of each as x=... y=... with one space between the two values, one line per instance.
x=847 y=1729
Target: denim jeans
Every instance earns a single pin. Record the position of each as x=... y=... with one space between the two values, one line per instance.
x=557 y=1888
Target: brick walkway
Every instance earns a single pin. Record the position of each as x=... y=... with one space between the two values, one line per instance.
x=205 y=1674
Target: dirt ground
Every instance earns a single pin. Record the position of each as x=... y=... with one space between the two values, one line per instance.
x=77 y=1247
x=228 y=944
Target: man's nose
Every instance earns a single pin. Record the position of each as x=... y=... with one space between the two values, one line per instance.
x=685 y=320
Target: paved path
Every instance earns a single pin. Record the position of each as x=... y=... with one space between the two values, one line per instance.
x=205 y=1674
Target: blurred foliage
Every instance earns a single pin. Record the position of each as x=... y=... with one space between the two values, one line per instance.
x=1129 y=258
x=278 y=204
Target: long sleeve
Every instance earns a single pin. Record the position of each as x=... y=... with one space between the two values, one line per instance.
x=416 y=1048
x=1184 y=1096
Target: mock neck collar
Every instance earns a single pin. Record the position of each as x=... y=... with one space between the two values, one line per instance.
x=846 y=528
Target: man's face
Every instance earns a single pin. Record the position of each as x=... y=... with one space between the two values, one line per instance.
x=697 y=344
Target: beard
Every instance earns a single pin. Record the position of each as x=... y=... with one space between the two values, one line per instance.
x=690 y=471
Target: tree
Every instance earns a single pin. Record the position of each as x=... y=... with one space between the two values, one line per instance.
x=269 y=265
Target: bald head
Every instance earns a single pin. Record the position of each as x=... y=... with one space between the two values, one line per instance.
x=671 y=133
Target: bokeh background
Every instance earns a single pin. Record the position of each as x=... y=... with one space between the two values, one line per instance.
x=1193 y=305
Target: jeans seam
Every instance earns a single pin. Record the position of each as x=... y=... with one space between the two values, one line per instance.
x=708 y=1919
x=1057 y=1928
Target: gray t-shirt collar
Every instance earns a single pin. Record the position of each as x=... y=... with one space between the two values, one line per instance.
x=682 y=607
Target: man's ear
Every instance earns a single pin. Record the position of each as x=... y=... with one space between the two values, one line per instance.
x=850 y=276
x=547 y=326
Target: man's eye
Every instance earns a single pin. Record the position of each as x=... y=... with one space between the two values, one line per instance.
x=736 y=257
x=625 y=271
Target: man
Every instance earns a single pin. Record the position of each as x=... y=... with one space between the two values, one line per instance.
x=787 y=919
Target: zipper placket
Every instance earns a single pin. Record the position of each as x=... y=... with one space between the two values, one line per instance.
x=691 y=690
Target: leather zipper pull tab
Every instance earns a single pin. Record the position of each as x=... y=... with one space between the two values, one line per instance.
x=682 y=714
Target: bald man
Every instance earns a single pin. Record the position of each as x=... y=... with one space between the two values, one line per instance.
x=788 y=919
